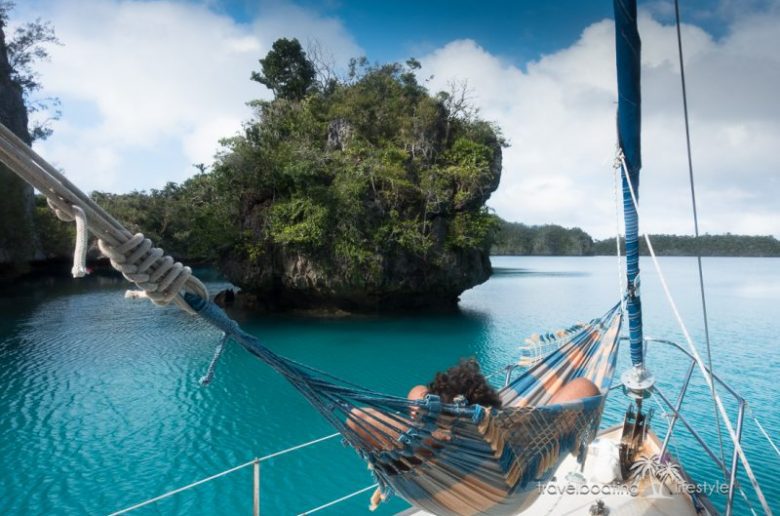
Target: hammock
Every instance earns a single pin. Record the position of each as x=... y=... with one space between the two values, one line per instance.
x=458 y=458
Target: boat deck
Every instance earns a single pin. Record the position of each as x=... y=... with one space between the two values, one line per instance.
x=648 y=498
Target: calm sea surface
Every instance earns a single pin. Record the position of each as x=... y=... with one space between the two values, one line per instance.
x=100 y=405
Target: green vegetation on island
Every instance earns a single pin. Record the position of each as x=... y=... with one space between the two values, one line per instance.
x=516 y=239
x=705 y=245
x=361 y=192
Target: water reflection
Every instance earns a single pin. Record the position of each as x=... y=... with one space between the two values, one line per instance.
x=509 y=272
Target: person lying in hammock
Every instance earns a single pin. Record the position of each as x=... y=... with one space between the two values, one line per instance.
x=465 y=379
x=381 y=431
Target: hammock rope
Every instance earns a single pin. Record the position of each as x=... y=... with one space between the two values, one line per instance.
x=159 y=275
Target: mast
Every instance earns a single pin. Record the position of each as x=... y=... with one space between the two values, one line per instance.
x=629 y=122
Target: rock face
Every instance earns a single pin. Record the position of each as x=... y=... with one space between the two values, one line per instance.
x=17 y=236
x=280 y=278
x=339 y=134
x=367 y=197
x=293 y=281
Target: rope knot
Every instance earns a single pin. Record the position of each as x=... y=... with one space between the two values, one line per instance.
x=157 y=274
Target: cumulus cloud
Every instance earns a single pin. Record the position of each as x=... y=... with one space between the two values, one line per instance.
x=559 y=115
x=148 y=88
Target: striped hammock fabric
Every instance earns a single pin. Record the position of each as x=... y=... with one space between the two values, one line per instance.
x=493 y=466
x=457 y=458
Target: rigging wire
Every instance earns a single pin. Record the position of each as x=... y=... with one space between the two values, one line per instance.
x=760 y=427
x=223 y=473
x=707 y=374
x=696 y=221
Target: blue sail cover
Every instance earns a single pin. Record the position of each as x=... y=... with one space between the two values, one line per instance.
x=629 y=122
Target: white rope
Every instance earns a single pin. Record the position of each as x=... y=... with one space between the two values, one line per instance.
x=707 y=375
x=339 y=500
x=134 y=259
x=79 y=269
x=206 y=378
x=160 y=276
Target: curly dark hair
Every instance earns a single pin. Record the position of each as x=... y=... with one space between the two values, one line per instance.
x=464 y=379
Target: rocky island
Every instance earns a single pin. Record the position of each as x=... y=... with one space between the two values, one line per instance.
x=362 y=193
x=358 y=193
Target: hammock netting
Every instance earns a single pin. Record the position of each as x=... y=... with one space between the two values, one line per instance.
x=459 y=458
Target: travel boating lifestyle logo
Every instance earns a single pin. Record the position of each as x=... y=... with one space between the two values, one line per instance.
x=556 y=488
x=647 y=486
x=661 y=477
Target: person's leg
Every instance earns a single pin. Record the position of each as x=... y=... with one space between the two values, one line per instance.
x=574 y=390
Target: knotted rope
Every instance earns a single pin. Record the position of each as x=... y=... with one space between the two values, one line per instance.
x=160 y=276
x=135 y=258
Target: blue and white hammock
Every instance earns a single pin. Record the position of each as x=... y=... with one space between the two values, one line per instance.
x=460 y=458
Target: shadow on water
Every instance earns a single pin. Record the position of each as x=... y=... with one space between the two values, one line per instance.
x=350 y=346
x=514 y=272
x=20 y=298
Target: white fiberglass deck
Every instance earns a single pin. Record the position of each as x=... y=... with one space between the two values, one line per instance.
x=562 y=496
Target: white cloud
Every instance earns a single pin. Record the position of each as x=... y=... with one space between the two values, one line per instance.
x=148 y=88
x=559 y=117
x=154 y=85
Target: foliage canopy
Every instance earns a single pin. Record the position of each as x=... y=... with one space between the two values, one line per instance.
x=29 y=45
x=365 y=183
x=286 y=71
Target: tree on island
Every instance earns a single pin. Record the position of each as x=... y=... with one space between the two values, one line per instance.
x=354 y=194
x=18 y=84
x=286 y=71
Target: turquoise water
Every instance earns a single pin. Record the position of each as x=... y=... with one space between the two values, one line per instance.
x=100 y=405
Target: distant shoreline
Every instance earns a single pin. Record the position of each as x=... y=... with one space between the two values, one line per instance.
x=514 y=239
x=517 y=239
x=492 y=255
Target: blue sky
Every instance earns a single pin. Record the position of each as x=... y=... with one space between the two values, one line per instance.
x=149 y=87
x=519 y=30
